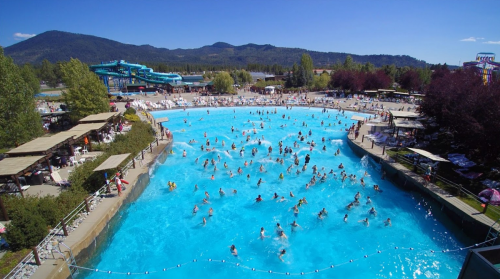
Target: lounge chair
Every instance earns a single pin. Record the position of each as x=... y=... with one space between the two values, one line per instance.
x=58 y=180
x=380 y=140
x=374 y=135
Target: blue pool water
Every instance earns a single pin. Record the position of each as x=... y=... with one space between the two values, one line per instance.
x=159 y=231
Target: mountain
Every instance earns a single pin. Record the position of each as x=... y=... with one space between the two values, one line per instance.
x=61 y=46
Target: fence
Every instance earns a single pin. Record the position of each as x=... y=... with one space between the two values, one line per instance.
x=60 y=231
x=453 y=188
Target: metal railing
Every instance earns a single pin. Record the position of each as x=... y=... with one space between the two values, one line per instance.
x=61 y=228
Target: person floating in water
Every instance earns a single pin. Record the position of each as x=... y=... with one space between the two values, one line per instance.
x=345 y=218
x=365 y=221
x=388 y=222
x=282 y=253
x=258 y=199
x=233 y=250
x=373 y=211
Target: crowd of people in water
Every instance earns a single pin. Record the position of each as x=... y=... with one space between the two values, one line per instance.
x=319 y=175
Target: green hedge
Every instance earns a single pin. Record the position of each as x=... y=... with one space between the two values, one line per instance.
x=32 y=216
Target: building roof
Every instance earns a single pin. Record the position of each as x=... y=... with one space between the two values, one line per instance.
x=100 y=117
x=18 y=165
x=192 y=78
x=404 y=114
x=89 y=126
x=112 y=162
x=386 y=90
x=41 y=145
x=428 y=155
x=409 y=124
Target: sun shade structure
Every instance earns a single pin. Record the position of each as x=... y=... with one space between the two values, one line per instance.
x=112 y=162
x=161 y=119
x=18 y=165
x=101 y=117
x=41 y=145
x=403 y=114
x=89 y=126
x=428 y=155
x=408 y=124
x=357 y=118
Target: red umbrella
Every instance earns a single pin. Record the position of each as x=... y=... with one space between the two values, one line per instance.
x=112 y=104
x=141 y=87
x=490 y=195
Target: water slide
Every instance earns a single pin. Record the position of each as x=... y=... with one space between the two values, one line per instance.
x=122 y=69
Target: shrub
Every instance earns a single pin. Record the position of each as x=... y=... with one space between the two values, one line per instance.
x=26 y=230
x=132 y=118
x=130 y=111
x=133 y=142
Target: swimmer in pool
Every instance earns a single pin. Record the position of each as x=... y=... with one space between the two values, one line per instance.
x=282 y=235
x=205 y=201
x=282 y=253
x=195 y=209
x=233 y=250
x=207 y=195
x=262 y=233
x=282 y=199
x=368 y=200
x=278 y=228
x=204 y=221
x=195 y=187
x=258 y=199
x=388 y=222
x=275 y=196
x=345 y=218
x=365 y=221
x=291 y=194
x=260 y=182
x=210 y=212
x=320 y=215
x=221 y=192
x=294 y=225
x=324 y=211
x=373 y=211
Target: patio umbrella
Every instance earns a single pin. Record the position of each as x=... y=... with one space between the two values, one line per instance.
x=490 y=195
x=140 y=87
x=112 y=104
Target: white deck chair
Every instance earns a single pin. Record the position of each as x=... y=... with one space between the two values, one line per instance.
x=73 y=161
x=56 y=177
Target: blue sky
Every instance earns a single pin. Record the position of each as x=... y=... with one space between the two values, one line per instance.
x=437 y=31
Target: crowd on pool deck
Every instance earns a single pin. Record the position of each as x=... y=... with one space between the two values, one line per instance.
x=317 y=176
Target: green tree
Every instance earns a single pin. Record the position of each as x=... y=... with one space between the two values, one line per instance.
x=28 y=74
x=321 y=81
x=223 y=83
x=245 y=77
x=368 y=68
x=19 y=121
x=47 y=74
x=85 y=94
x=349 y=63
x=307 y=63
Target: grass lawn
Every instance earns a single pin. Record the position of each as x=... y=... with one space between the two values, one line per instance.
x=10 y=260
